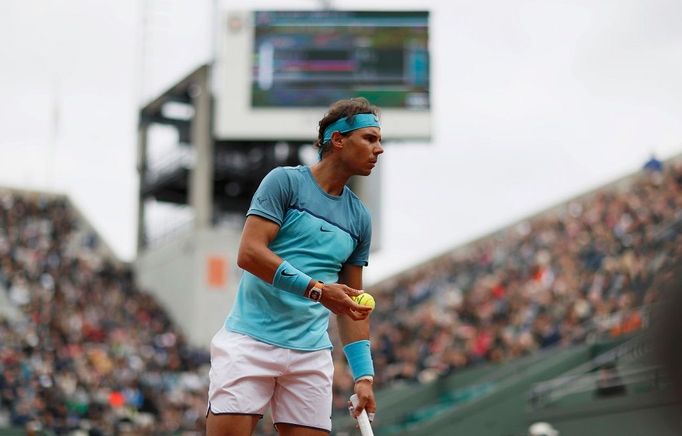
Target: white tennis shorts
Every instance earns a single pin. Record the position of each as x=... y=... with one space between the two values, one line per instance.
x=246 y=375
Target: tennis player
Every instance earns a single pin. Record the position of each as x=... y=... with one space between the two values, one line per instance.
x=304 y=245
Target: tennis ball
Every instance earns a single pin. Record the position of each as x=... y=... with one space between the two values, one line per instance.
x=365 y=300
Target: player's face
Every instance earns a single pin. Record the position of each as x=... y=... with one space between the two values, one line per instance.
x=361 y=150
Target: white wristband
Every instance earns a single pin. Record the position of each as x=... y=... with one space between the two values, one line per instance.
x=366 y=377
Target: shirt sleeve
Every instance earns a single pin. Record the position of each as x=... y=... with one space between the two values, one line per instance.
x=272 y=197
x=360 y=255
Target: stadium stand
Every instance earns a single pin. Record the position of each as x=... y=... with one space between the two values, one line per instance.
x=585 y=266
x=566 y=276
x=83 y=349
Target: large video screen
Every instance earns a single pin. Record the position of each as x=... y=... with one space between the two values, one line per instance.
x=312 y=58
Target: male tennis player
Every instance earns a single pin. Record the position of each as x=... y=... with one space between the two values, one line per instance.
x=303 y=247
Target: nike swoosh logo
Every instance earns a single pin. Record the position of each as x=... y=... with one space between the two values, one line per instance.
x=322 y=229
x=284 y=273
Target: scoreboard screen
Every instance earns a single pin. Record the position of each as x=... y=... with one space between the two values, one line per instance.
x=312 y=58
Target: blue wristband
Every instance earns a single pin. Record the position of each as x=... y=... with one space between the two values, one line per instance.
x=290 y=279
x=359 y=358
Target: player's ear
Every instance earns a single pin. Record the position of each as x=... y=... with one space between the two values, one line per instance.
x=337 y=140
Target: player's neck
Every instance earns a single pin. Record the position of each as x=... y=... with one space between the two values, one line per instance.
x=328 y=176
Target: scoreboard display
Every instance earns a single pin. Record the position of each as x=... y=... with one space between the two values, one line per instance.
x=309 y=59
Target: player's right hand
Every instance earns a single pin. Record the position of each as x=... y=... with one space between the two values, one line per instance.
x=337 y=298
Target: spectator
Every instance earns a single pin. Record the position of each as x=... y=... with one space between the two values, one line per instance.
x=653 y=164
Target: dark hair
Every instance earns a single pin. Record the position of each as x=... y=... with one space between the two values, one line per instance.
x=341 y=109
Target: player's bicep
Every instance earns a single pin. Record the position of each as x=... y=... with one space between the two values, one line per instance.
x=259 y=230
x=254 y=254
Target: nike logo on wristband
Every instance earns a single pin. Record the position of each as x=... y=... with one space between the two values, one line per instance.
x=284 y=273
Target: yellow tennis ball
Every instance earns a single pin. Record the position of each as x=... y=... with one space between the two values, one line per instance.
x=365 y=300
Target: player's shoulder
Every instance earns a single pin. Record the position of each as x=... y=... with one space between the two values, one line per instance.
x=356 y=203
x=289 y=171
x=286 y=172
x=352 y=196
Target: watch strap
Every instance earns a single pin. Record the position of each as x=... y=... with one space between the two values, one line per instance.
x=315 y=293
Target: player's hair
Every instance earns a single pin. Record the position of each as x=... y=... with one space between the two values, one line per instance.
x=338 y=110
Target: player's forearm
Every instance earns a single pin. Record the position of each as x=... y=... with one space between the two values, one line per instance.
x=262 y=262
x=351 y=330
x=357 y=348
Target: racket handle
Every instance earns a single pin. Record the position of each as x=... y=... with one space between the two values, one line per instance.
x=363 y=420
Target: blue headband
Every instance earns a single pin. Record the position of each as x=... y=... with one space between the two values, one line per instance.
x=342 y=125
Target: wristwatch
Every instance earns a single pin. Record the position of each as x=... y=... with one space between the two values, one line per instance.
x=315 y=293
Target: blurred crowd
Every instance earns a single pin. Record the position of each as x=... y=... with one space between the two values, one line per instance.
x=585 y=269
x=87 y=351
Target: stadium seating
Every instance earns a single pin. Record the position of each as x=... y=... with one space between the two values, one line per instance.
x=82 y=348
x=579 y=270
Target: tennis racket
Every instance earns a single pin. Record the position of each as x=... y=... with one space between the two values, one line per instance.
x=363 y=419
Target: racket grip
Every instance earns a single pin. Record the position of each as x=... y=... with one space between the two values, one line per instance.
x=363 y=420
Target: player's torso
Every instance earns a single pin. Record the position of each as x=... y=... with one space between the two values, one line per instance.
x=319 y=232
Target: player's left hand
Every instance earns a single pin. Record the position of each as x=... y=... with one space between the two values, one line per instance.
x=365 y=392
x=337 y=298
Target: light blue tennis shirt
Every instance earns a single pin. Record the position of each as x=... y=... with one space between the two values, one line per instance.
x=318 y=234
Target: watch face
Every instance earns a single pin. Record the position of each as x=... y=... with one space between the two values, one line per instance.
x=315 y=294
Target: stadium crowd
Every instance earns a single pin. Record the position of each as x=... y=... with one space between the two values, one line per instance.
x=584 y=269
x=87 y=350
